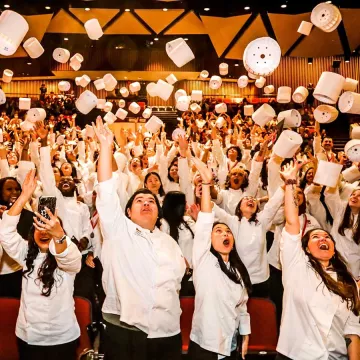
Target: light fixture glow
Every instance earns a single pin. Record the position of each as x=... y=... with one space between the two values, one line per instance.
x=127 y=10
x=151 y=43
x=29 y=63
x=247 y=8
x=6 y=6
x=206 y=9
x=236 y=64
x=284 y=6
x=87 y=9
x=66 y=39
x=156 y=39
x=165 y=9
x=347 y=61
x=186 y=39
x=47 y=7
x=328 y=2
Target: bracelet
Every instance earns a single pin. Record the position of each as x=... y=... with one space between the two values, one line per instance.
x=290 y=182
x=205 y=183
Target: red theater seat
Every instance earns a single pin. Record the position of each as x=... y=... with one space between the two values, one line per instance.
x=187 y=304
x=264 y=336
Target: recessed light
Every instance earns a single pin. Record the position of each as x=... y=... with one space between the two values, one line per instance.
x=6 y=6
x=236 y=64
x=247 y=8
x=347 y=61
x=186 y=39
x=283 y=6
x=310 y=63
x=29 y=63
x=125 y=77
x=328 y=2
x=87 y=9
x=66 y=39
x=151 y=42
x=156 y=39
x=206 y=9
x=47 y=7
x=127 y=10
x=165 y=9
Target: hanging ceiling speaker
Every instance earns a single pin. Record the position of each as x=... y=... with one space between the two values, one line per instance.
x=326 y=17
x=262 y=56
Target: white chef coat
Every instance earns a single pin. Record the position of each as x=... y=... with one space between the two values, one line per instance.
x=142 y=269
x=220 y=304
x=163 y=171
x=345 y=244
x=44 y=320
x=186 y=239
x=250 y=237
x=309 y=308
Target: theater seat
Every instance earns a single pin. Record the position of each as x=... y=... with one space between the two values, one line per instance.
x=9 y=309
x=84 y=318
x=187 y=304
x=264 y=335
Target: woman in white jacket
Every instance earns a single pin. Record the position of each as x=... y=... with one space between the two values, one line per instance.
x=222 y=284
x=46 y=327
x=321 y=299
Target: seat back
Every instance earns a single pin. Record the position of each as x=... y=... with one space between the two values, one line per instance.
x=9 y=309
x=84 y=318
x=187 y=304
x=264 y=334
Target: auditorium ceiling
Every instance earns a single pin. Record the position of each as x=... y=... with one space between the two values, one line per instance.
x=214 y=29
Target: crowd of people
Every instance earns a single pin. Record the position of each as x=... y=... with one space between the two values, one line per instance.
x=144 y=219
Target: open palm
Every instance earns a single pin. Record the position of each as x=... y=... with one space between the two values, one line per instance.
x=103 y=133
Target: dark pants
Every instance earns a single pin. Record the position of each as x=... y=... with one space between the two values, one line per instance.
x=10 y=284
x=125 y=344
x=281 y=357
x=261 y=290
x=53 y=352
x=196 y=352
x=276 y=291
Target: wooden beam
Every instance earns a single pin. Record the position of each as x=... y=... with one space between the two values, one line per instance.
x=265 y=18
x=343 y=38
x=174 y=22
x=113 y=20
x=148 y=28
x=295 y=45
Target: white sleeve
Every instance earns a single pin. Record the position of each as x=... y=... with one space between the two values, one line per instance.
x=46 y=172
x=254 y=178
x=4 y=168
x=271 y=208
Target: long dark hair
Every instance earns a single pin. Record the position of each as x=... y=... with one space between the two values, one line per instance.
x=236 y=266
x=161 y=189
x=244 y=184
x=303 y=181
x=174 y=162
x=174 y=208
x=45 y=274
x=253 y=217
x=302 y=207
x=2 y=184
x=144 y=191
x=345 y=287
x=348 y=223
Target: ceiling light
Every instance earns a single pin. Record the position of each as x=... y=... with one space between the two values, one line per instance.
x=87 y=9
x=283 y=6
x=125 y=77
x=66 y=39
x=328 y=2
x=206 y=9
x=236 y=64
x=29 y=63
x=47 y=7
x=127 y=10
x=165 y=9
x=156 y=39
x=6 y=6
x=347 y=61
x=247 y=8
x=151 y=42
x=186 y=39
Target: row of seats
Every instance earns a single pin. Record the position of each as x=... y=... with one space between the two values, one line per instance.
x=263 y=337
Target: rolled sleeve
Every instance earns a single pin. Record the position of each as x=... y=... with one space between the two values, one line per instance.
x=244 y=325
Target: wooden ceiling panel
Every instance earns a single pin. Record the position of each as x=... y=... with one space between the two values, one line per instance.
x=190 y=24
x=103 y=15
x=127 y=24
x=285 y=28
x=222 y=30
x=351 y=22
x=63 y=23
x=319 y=44
x=158 y=19
x=254 y=31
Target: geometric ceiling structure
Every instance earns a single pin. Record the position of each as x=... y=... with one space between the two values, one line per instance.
x=158 y=19
x=255 y=30
x=127 y=23
x=319 y=44
x=63 y=23
x=223 y=30
x=285 y=28
x=103 y=15
x=190 y=24
x=351 y=18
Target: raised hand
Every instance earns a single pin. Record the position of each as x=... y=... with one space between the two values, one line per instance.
x=204 y=171
x=52 y=226
x=104 y=135
x=41 y=130
x=290 y=171
x=183 y=145
x=29 y=185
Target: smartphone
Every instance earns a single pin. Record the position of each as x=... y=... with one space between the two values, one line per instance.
x=49 y=202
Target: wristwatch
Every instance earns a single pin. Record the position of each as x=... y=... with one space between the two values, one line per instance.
x=61 y=241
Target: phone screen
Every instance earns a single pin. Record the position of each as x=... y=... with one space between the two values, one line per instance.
x=49 y=202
